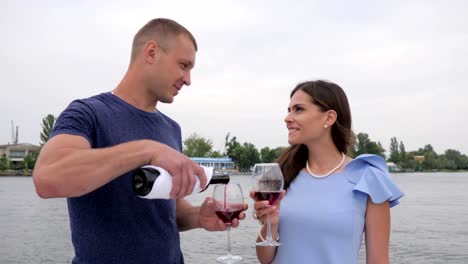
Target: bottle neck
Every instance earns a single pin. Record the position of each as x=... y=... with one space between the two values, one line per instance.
x=220 y=179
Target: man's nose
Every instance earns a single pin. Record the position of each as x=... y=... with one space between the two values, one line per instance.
x=186 y=79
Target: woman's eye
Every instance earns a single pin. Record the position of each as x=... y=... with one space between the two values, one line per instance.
x=295 y=109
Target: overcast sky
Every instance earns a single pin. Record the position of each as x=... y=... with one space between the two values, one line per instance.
x=403 y=64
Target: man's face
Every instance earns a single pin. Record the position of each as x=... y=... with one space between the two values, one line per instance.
x=172 y=69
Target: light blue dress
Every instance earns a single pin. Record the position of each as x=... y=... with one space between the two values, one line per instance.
x=322 y=220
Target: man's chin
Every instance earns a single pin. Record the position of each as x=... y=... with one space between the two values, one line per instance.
x=167 y=100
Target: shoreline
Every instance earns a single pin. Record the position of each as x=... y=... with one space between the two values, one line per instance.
x=429 y=171
x=16 y=173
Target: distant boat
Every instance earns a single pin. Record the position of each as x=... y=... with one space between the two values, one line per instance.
x=392 y=167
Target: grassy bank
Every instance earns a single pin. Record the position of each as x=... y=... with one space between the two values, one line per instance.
x=18 y=173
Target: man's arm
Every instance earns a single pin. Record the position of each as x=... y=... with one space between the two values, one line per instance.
x=187 y=215
x=68 y=167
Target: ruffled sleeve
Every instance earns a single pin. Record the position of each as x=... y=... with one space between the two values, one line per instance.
x=370 y=175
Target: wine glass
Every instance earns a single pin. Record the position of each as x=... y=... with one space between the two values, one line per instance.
x=267 y=183
x=229 y=203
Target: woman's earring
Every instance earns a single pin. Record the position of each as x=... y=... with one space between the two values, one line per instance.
x=325 y=126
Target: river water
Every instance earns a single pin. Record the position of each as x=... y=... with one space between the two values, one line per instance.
x=429 y=226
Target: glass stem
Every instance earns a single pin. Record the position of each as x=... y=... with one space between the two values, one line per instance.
x=229 y=240
x=268 y=234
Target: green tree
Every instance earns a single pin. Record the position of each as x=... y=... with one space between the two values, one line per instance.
x=463 y=162
x=270 y=155
x=197 y=146
x=442 y=162
x=403 y=155
x=394 y=151
x=377 y=149
x=365 y=145
x=48 y=123
x=30 y=161
x=4 y=164
x=352 y=152
x=231 y=145
x=277 y=151
x=411 y=163
x=216 y=154
x=457 y=158
x=246 y=155
x=430 y=158
x=362 y=143
x=267 y=155
x=452 y=154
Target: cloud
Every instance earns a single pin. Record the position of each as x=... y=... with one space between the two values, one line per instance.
x=403 y=64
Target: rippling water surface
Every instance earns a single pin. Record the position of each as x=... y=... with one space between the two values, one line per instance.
x=429 y=226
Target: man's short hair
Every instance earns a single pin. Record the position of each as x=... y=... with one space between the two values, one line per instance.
x=161 y=30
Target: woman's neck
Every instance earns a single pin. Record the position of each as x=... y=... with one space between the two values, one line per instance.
x=323 y=157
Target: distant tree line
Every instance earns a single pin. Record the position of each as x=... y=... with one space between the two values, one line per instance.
x=245 y=155
x=426 y=159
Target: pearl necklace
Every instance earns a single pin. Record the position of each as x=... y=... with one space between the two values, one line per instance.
x=328 y=173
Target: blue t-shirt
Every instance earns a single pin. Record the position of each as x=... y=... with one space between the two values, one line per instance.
x=112 y=224
x=322 y=220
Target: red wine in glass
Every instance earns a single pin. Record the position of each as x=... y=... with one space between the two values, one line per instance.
x=270 y=196
x=228 y=215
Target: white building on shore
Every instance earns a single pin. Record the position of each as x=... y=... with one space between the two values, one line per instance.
x=224 y=164
x=17 y=152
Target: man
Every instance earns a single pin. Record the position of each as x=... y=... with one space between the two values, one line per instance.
x=98 y=141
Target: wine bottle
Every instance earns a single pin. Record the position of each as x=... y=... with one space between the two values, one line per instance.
x=152 y=182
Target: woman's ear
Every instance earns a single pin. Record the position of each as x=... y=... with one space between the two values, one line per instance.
x=331 y=117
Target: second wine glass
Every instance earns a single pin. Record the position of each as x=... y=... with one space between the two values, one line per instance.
x=229 y=203
x=267 y=183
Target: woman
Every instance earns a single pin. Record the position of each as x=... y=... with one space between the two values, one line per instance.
x=329 y=198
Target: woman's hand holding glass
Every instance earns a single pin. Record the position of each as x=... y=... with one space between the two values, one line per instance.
x=266 y=184
x=263 y=209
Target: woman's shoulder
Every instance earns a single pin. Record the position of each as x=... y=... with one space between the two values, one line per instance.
x=370 y=175
x=367 y=161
